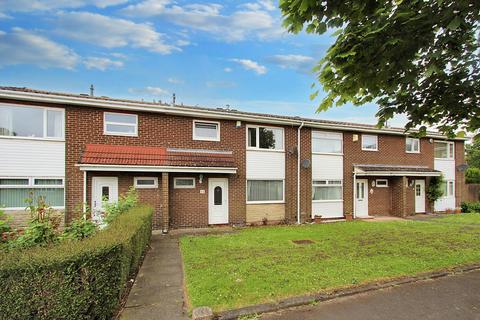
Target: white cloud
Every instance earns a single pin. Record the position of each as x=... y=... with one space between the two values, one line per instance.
x=111 y=32
x=4 y=16
x=153 y=91
x=175 y=81
x=220 y=84
x=23 y=47
x=253 y=20
x=45 y=5
x=251 y=65
x=102 y=63
x=294 y=61
x=227 y=69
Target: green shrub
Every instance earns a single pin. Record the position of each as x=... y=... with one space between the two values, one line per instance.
x=4 y=223
x=75 y=279
x=472 y=175
x=125 y=202
x=435 y=189
x=470 y=207
x=79 y=229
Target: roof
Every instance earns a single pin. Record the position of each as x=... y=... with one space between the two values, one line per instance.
x=27 y=94
x=394 y=170
x=120 y=155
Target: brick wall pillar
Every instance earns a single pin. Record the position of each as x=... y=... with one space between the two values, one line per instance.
x=165 y=204
x=399 y=196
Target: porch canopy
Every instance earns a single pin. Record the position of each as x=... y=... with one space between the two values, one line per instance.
x=101 y=157
x=394 y=170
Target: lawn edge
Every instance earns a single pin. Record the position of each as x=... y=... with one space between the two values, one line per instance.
x=344 y=292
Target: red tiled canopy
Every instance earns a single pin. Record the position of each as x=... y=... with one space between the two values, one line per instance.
x=154 y=156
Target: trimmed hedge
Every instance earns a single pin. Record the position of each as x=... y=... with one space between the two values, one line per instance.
x=78 y=279
x=470 y=207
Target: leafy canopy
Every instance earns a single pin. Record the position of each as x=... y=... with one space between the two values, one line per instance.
x=417 y=57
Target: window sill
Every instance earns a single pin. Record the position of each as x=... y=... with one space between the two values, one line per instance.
x=326 y=201
x=264 y=150
x=206 y=139
x=369 y=149
x=412 y=152
x=120 y=134
x=265 y=202
x=33 y=138
x=328 y=153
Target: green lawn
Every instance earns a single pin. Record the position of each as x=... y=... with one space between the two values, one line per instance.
x=258 y=265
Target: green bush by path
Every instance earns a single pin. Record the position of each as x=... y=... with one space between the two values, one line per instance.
x=75 y=279
x=468 y=207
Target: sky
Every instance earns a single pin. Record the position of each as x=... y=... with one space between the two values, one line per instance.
x=209 y=53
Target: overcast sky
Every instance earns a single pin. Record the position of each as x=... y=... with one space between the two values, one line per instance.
x=208 y=53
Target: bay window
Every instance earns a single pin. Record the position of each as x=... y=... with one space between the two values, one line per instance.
x=327 y=190
x=14 y=191
x=265 y=138
x=265 y=190
x=327 y=142
x=31 y=122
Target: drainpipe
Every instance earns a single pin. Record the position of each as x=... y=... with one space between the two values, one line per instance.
x=354 y=194
x=298 y=172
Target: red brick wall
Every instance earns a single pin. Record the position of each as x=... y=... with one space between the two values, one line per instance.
x=380 y=201
x=306 y=175
x=461 y=192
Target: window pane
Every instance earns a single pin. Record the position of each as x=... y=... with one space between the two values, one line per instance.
x=264 y=190
x=145 y=182
x=451 y=148
x=416 y=145
x=45 y=182
x=54 y=124
x=21 y=121
x=13 y=182
x=184 y=182
x=252 y=137
x=326 y=145
x=441 y=150
x=409 y=146
x=369 y=142
x=327 y=193
x=121 y=118
x=217 y=196
x=119 y=128
x=451 y=188
x=206 y=130
x=15 y=197
x=105 y=193
x=270 y=138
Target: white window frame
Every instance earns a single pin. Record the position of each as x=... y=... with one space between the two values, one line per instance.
x=257 y=148
x=339 y=138
x=381 y=186
x=327 y=184
x=267 y=201
x=195 y=137
x=413 y=139
x=176 y=186
x=115 y=133
x=45 y=124
x=449 y=155
x=448 y=195
x=145 y=186
x=370 y=135
x=31 y=185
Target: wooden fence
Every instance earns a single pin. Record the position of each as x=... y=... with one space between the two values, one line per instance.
x=473 y=192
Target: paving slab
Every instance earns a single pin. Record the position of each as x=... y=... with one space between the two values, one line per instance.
x=158 y=289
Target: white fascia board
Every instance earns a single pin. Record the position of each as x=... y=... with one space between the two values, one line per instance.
x=398 y=174
x=123 y=168
x=203 y=113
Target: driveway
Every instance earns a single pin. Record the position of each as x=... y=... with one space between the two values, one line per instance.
x=454 y=297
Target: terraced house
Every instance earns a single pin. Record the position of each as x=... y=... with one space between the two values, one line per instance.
x=205 y=166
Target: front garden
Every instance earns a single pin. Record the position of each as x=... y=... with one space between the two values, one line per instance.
x=76 y=272
x=267 y=264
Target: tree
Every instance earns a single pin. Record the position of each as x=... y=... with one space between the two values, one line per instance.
x=417 y=57
x=472 y=175
x=473 y=152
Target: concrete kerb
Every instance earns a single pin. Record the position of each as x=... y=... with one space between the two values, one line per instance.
x=309 y=299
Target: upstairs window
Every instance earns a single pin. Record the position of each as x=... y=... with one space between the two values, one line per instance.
x=369 y=142
x=444 y=150
x=412 y=145
x=265 y=138
x=31 y=122
x=327 y=142
x=120 y=124
x=208 y=131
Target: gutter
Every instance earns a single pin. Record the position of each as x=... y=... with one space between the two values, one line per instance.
x=200 y=113
x=298 y=170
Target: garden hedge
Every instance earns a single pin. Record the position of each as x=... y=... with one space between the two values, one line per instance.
x=470 y=207
x=78 y=279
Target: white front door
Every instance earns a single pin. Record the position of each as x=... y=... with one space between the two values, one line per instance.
x=217 y=201
x=419 y=196
x=361 y=198
x=103 y=189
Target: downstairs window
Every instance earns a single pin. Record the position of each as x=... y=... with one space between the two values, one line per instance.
x=14 y=191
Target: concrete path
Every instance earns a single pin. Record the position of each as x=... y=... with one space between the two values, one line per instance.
x=158 y=289
x=454 y=297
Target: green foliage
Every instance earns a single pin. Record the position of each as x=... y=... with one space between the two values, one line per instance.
x=473 y=153
x=124 y=203
x=414 y=57
x=472 y=175
x=4 y=223
x=435 y=189
x=469 y=207
x=75 y=279
x=79 y=229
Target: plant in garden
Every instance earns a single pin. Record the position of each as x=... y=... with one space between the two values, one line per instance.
x=79 y=229
x=472 y=175
x=4 y=222
x=124 y=203
x=435 y=189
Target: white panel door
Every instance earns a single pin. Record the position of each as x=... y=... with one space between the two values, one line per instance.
x=217 y=201
x=103 y=189
x=419 y=196
x=361 y=198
